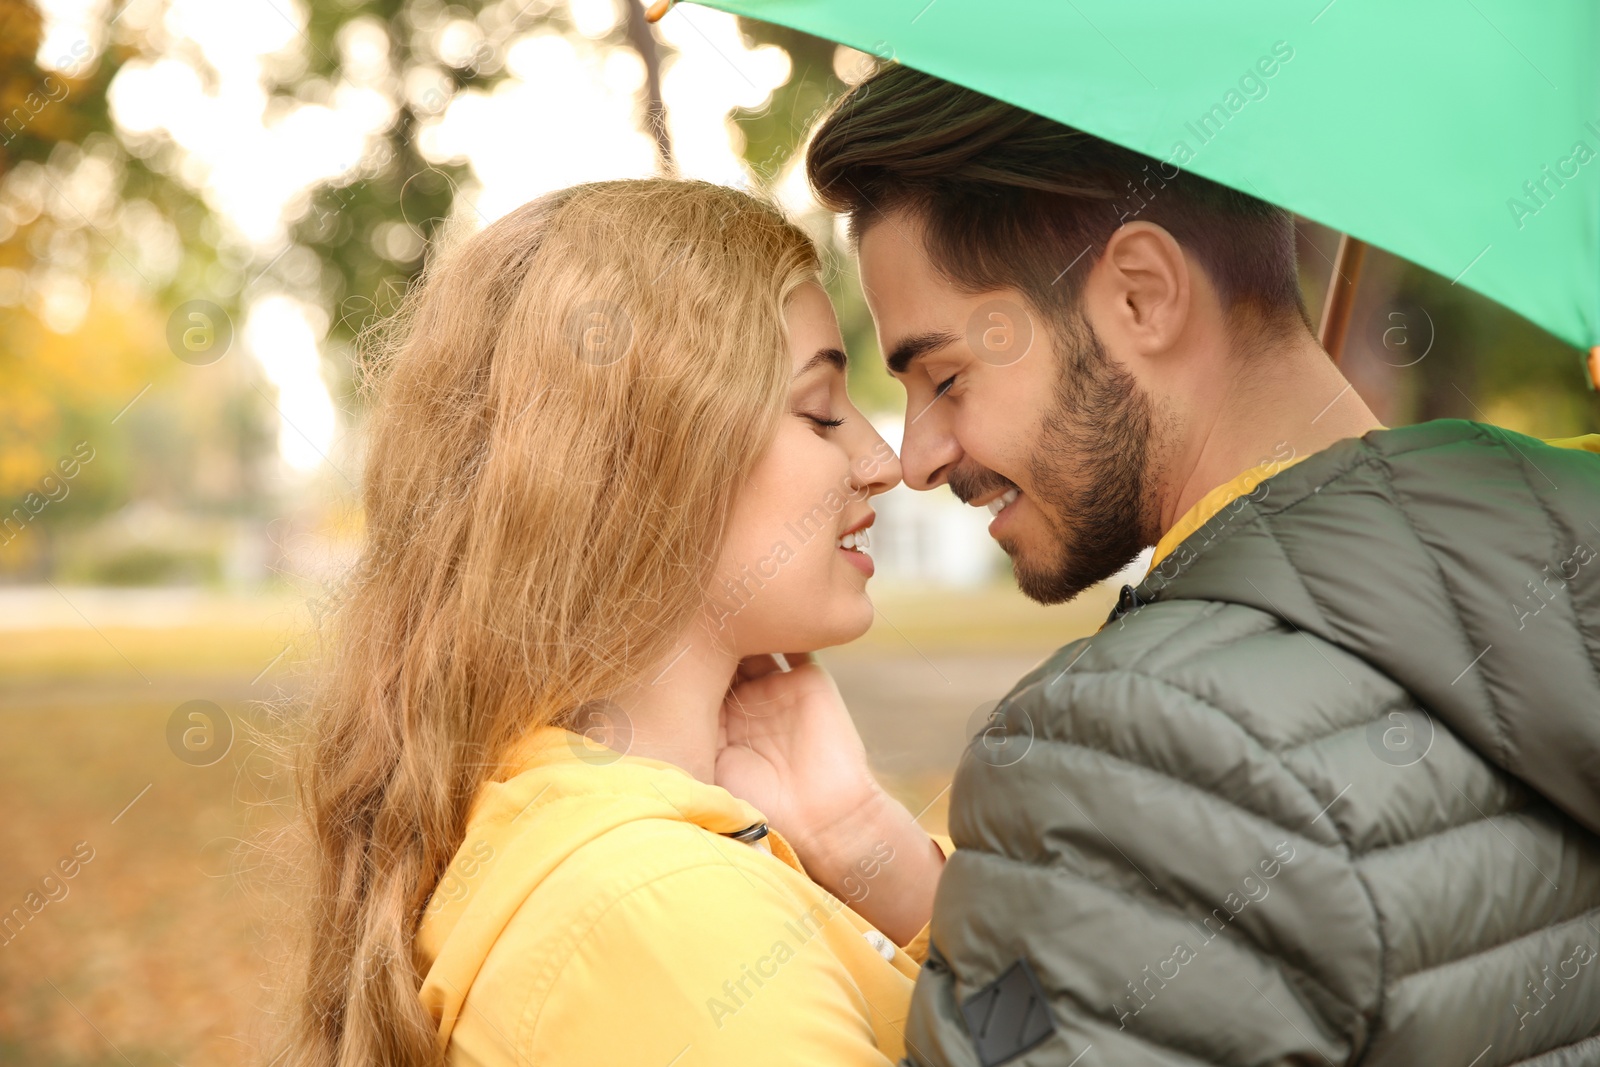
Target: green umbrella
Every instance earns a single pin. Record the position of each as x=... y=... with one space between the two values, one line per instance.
x=1463 y=135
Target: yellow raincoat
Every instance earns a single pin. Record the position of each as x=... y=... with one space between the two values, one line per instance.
x=595 y=914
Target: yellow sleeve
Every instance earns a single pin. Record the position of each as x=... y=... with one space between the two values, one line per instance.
x=1589 y=442
x=917 y=947
x=708 y=965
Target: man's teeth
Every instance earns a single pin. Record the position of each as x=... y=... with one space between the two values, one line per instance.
x=855 y=541
x=998 y=503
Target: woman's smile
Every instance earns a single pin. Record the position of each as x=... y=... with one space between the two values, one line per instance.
x=855 y=542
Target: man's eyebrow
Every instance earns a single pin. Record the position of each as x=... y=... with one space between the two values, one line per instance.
x=918 y=345
x=833 y=356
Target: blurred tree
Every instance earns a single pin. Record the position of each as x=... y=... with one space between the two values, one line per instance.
x=1491 y=365
x=774 y=138
x=97 y=236
x=1424 y=348
x=644 y=41
x=371 y=227
x=775 y=132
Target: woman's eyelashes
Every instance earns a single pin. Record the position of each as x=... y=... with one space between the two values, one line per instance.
x=824 y=422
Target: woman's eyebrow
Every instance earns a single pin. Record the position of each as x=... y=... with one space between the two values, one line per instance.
x=834 y=356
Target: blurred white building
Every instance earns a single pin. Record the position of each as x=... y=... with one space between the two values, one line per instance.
x=931 y=538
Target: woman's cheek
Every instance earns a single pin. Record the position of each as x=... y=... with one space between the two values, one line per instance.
x=782 y=582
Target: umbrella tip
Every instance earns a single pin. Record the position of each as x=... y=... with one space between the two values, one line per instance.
x=655 y=11
x=1594 y=367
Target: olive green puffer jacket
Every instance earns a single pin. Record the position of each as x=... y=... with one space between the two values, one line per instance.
x=1325 y=791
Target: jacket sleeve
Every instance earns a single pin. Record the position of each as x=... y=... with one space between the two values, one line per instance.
x=1139 y=875
x=708 y=965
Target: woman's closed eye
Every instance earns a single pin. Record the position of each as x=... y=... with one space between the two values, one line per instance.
x=824 y=422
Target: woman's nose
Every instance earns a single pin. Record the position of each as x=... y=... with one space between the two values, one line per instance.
x=889 y=472
x=877 y=468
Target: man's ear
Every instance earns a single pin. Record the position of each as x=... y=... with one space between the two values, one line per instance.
x=1143 y=289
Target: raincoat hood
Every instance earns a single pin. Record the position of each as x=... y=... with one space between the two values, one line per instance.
x=522 y=828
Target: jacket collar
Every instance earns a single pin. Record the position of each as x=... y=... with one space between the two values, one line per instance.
x=1460 y=560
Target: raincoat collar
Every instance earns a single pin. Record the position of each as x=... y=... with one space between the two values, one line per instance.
x=573 y=762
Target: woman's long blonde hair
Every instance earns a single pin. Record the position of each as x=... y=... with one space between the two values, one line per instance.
x=567 y=405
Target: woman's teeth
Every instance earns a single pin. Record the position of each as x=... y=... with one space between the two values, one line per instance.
x=999 y=503
x=856 y=542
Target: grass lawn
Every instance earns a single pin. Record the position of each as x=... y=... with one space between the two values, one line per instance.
x=151 y=953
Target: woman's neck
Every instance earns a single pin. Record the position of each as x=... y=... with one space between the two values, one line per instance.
x=674 y=711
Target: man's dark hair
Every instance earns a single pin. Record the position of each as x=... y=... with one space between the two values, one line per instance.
x=1008 y=198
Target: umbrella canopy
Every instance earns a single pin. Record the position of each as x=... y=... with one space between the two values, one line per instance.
x=1463 y=135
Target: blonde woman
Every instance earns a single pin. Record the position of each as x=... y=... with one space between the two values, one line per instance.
x=613 y=466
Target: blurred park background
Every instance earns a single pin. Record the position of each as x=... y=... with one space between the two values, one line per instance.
x=202 y=202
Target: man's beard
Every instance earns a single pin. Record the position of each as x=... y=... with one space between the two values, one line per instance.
x=1090 y=472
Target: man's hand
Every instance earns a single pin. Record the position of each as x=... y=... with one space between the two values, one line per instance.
x=787 y=744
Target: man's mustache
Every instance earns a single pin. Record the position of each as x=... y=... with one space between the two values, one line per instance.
x=970 y=485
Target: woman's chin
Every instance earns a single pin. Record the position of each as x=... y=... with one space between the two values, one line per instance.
x=854 y=619
x=850 y=618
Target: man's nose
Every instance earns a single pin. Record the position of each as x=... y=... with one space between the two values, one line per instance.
x=928 y=449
